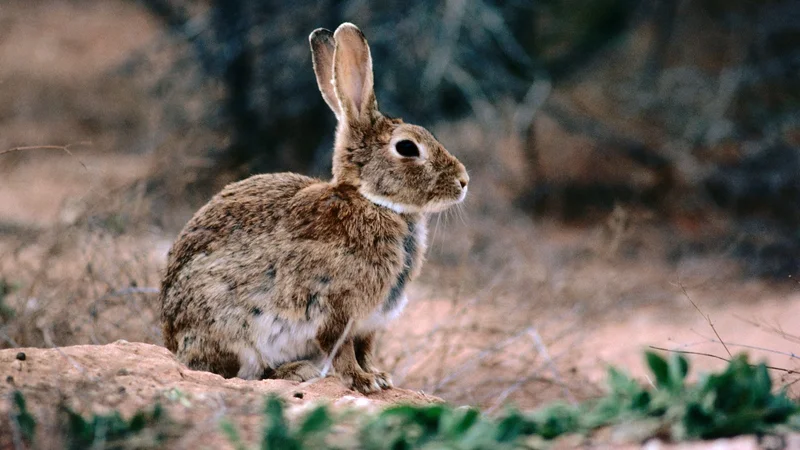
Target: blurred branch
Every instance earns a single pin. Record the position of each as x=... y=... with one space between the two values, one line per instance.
x=524 y=124
x=471 y=89
x=128 y=291
x=172 y=15
x=231 y=20
x=532 y=103
x=180 y=23
x=609 y=21
x=23 y=230
x=493 y=21
x=442 y=55
x=607 y=139
x=663 y=18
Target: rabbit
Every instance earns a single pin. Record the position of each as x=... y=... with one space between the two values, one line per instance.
x=281 y=274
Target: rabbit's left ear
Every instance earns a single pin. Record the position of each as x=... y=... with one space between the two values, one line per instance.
x=352 y=75
x=322 y=48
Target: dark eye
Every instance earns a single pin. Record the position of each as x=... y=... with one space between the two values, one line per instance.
x=407 y=148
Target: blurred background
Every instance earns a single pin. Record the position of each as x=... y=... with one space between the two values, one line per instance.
x=632 y=161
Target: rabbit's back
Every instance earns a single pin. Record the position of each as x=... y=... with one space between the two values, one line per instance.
x=251 y=207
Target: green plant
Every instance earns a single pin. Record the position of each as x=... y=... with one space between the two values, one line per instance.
x=6 y=288
x=278 y=432
x=436 y=426
x=24 y=421
x=738 y=400
x=146 y=429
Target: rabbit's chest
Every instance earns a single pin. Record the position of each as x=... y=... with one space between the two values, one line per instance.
x=391 y=307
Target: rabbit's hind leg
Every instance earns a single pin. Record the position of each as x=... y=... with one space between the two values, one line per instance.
x=201 y=353
x=303 y=370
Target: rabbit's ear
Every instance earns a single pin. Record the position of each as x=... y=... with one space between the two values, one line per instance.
x=322 y=48
x=352 y=78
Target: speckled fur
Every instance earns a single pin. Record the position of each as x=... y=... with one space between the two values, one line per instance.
x=264 y=279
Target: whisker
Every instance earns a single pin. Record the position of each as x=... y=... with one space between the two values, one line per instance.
x=446 y=214
x=460 y=212
x=435 y=229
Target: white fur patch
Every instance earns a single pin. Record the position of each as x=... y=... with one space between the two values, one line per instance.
x=422 y=235
x=380 y=318
x=401 y=208
x=279 y=341
x=388 y=203
x=249 y=366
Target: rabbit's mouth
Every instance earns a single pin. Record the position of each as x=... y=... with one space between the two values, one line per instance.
x=439 y=206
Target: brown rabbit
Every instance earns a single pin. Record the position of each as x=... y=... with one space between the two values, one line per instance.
x=267 y=277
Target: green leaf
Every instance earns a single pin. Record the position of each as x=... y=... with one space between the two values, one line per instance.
x=24 y=419
x=557 y=419
x=316 y=421
x=762 y=384
x=19 y=402
x=276 y=434
x=678 y=369
x=81 y=433
x=511 y=427
x=620 y=384
x=465 y=422
x=660 y=369
x=233 y=435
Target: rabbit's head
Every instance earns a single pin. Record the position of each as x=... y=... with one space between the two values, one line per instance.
x=394 y=164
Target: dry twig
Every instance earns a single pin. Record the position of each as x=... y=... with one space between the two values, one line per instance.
x=686 y=352
x=705 y=316
x=542 y=349
x=64 y=148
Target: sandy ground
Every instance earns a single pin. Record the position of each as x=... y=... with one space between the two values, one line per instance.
x=128 y=377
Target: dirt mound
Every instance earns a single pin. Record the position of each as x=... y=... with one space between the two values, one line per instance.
x=127 y=377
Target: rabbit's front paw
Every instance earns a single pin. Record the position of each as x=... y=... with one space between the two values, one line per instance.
x=297 y=371
x=383 y=378
x=365 y=382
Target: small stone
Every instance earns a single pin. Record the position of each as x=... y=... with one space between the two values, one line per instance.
x=10 y=379
x=21 y=356
x=299 y=395
x=17 y=365
x=123 y=372
x=772 y=442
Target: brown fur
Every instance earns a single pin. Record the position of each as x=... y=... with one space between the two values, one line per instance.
x=274 y=256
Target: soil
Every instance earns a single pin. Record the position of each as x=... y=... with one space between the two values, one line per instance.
x=128 y=377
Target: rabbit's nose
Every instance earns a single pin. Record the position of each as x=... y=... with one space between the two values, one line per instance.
x=463 y=179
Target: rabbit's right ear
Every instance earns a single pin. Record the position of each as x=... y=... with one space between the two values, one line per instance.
x=322 y=48
x=352 y=75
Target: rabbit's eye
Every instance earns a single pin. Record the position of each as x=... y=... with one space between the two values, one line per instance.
x=407 y=148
